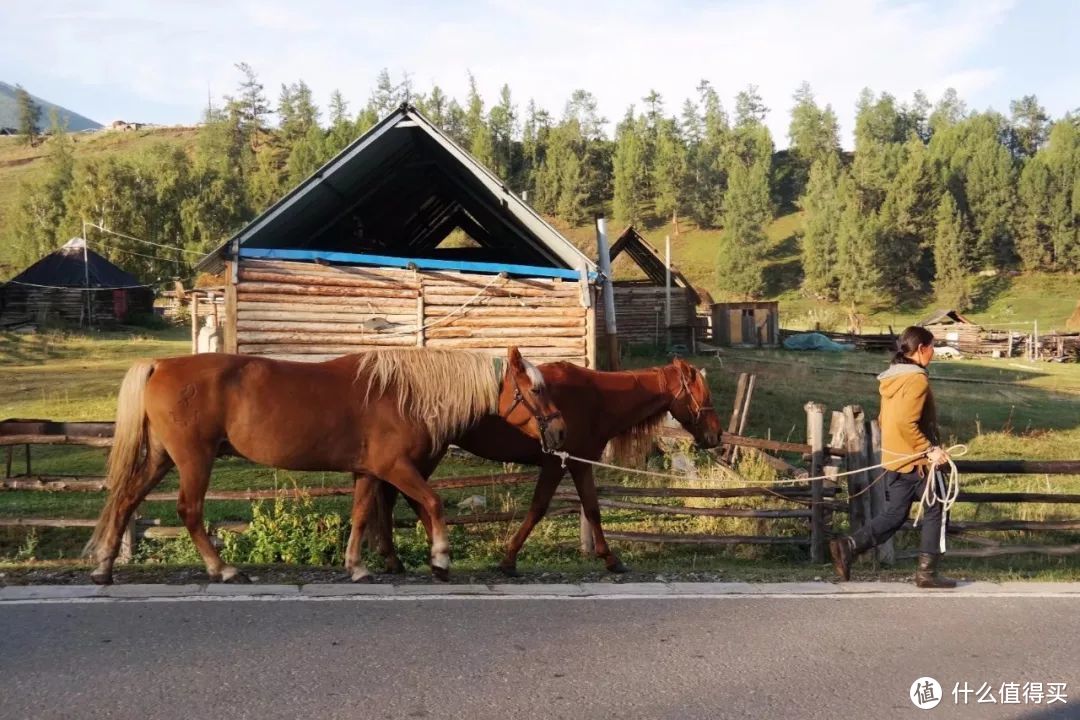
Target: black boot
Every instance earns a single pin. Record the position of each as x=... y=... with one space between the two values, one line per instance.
x=926 y=576
x=842 y=550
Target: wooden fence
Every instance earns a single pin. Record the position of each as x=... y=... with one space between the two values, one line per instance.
x=851 y=444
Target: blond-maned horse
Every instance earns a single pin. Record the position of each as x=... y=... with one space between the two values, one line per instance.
x=383 y=413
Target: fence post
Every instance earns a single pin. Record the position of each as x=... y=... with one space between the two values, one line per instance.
x=815 y=437
x=127 y=542
x=855 y=446
x=886 y=552
x=29 y=470
x=10 y=457
x=736 y=412
x=588 y=546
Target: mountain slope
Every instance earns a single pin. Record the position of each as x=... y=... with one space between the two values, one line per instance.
x=9 y=112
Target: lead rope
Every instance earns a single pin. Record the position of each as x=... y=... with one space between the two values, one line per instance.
x=947 y=496
x=939 y=490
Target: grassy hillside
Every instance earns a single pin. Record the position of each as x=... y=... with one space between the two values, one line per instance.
x=20 y=163
x=1004 y=300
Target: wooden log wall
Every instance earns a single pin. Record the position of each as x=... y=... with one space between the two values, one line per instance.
x=311 y=312
x=67 y=306
x=639 y=315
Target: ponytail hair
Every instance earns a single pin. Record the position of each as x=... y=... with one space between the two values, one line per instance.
x=909 y=341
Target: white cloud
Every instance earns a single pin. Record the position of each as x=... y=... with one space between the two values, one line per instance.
x=168 y=54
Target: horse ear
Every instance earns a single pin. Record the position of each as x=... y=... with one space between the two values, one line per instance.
x=514 y=356
x=704 y=372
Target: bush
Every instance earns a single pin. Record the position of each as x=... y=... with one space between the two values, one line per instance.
x=286 y=530
x=149 y=321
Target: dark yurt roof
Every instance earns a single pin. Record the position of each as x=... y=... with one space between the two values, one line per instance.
x=76 y=266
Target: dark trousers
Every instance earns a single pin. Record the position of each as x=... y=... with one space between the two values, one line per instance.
x=901 y=490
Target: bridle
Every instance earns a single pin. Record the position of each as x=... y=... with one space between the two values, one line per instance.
x=542 y=421
x=697 y=409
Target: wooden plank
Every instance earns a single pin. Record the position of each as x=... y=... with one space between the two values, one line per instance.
x=321 y=328
x=546 y=344
x=294 y=289
x=736 y=410
x=705 y=539
x=244 y=337
x=694 y=511
x=815 y=435
x=330 y=314
x=886 y=551
x=229 y=330
x=331 y=281
x=1019 y=467
x=55 y=440
x=456 y=301
x=316 y=302
x=1003 y=550
x=446 y=332
x=510 y=311
x=525 y=323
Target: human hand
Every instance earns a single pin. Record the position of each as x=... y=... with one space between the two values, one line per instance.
x=937 y=456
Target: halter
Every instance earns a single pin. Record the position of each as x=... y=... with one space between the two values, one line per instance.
x=542 y=421
x=696 y=408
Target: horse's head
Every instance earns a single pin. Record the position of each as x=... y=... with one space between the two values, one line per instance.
x=525 y=403
x=691 y=405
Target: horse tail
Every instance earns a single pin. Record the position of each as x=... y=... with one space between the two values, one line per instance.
x=128 y=449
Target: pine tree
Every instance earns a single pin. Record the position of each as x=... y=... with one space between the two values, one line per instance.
x=251 y=104
x=669 y=171
x=908 y=219
x=632 y=176
x=709 y=161
x=814 y=134
x=749 y=107
x=950 y=263
x=740 y=264
x=823 y=206
x=29 y=115
x=1062 y=156
x=990 y=190
x=1029 y=126
x=503 y=126
x=858 y=239
x=1034 y=244
x=950 y=110
x=341 y=128
x=534 y=140
x=476 y=126
x=387 y=95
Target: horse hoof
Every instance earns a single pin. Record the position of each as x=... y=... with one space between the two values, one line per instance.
x=361 y=576
x=395 y=567
x=101 y=578
x=509 y=571
x=617 y=567
x=234 y=576
x=441 y=574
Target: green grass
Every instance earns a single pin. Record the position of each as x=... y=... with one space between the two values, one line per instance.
x=1018 y=410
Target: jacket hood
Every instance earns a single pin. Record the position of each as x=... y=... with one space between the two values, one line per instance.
x=897 y=376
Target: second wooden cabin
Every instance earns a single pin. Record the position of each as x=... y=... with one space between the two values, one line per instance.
x=641 y=297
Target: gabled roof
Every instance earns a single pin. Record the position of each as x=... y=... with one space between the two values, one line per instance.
x=399 y=190
x=648 y=258
x=75 y=266
x=946 y=317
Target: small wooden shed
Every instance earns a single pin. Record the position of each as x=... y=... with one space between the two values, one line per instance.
x=73 y=286
x=640 y=301
x=404 y=239
x=953 y=329
x=746 y=324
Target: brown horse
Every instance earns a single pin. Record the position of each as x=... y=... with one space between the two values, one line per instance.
x=623 y=408
x=383 y=413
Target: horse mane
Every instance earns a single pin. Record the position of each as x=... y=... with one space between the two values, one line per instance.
x=633 y=446
x=445 y=390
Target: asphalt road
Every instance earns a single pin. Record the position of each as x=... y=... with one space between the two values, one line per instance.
x=767 y=657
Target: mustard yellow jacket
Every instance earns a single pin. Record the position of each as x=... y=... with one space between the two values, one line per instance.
x=908 y=417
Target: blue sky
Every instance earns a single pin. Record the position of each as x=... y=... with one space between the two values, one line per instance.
x=155 y=61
